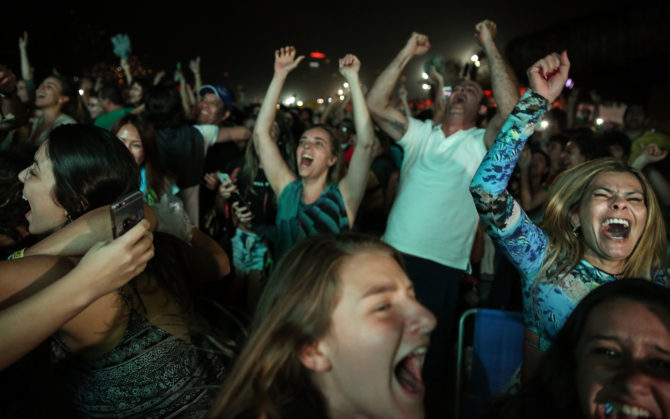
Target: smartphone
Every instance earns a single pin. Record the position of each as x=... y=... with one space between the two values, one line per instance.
x=126 y=212
x=235 y=195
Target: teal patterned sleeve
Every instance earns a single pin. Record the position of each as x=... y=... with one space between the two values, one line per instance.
x=508 y=225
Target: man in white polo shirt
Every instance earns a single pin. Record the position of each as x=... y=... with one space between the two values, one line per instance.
x=433 y=220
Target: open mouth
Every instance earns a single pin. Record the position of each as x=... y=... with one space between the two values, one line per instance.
x=613 y=410
x=616 y=228
x=306 y=160
x=26 y=206
x=408 y=372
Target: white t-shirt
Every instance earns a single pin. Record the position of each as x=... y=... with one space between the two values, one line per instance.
x=209 y=133
x=434 y=216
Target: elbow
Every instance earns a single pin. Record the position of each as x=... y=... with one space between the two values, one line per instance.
x=375 y=105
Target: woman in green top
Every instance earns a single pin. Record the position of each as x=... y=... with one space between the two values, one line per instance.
x=317 y=199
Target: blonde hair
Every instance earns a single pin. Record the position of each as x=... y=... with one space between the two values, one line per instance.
x=566 y=249
x=294 y=311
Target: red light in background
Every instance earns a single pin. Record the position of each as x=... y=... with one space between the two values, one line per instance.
x=317 y=55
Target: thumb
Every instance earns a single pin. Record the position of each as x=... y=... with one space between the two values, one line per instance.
x=300 y=58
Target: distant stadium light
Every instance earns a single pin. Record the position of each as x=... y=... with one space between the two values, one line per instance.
x=599 y=121
x=317 y=55
x=544 y=124
x=313 y=64
x=299 y=103
x=425 y=86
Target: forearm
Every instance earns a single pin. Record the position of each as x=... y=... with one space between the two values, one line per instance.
x=237 y=133
x=25 y=64
x=183 y=94
x=362 y=120
x=503 y=81
x=498 y=164
x=660 y=185
x=26 y=324
x=77 y=237
x=380 y=93
x=526 y=195
x=198 y=81
x=208 y=245
x=266 y=114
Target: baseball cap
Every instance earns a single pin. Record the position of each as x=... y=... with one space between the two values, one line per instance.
x=221 y=92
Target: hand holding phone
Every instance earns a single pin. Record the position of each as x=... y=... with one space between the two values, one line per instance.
x=126 y=212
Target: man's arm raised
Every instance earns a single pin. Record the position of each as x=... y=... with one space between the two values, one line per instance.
x=391 y=120
x=503 y=81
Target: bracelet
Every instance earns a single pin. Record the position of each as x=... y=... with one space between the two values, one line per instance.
x=17 y=255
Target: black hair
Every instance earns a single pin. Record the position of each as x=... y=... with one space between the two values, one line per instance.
x=74 y=106
x=586 y=141
x=163 y=107
x=12 y=205
x=112 y=92
x=91 y=168
x=611 y=138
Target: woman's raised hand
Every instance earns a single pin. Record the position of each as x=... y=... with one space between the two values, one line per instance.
x=285 y=60
x=349 y=66
x=548 y=75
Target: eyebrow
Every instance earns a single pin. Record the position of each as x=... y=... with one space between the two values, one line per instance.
x=378 y=289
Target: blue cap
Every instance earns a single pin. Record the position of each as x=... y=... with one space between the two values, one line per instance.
x=221 y=92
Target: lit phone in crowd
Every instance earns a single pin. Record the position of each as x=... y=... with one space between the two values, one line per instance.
x=235 y=195
x=126 y=212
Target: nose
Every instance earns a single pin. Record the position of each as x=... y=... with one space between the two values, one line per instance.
x=633 y=381
x=22 y=175
x=618 y=203
x=420 y=319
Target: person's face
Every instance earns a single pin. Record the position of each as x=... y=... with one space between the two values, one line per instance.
x=135 y=93
x=49 y=93
x=314 y=154
x=634 y=118
x=612 y=215
x=555 y=152
x=22 y=92
x=94 y=107
x=538 y=164
x=130 y=137
x=623 y=361
x=466 y=99
x=377 y=342
x=210 y=109
x=45 y=214
x=572 y=156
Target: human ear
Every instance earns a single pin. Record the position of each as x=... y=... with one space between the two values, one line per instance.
x=314 y=358
x=482 y=110
x=332 y=160
x=574 y=220
x=63 y=99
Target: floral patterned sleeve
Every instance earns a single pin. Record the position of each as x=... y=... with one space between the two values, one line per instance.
x=508 y=225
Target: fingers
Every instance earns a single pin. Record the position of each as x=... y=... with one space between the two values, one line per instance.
x=135 y=233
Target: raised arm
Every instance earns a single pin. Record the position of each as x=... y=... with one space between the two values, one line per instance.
x=26 y=70
x=390 y=119
x=352 y=186
x=503 y=82
x=440 y=104
x=103 y=269
x=194 y=65
x=502 y=216
x=277 y=171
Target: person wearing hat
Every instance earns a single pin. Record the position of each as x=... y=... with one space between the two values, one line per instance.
x=214 y=108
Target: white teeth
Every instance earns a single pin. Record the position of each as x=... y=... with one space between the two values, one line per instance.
x=627 y=410
x=616 y=221
x=305 y=156
x=420 y=351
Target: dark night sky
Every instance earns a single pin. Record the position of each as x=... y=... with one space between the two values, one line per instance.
x=240 y=38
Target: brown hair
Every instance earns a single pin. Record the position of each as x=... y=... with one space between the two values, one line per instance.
x=294 y=311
